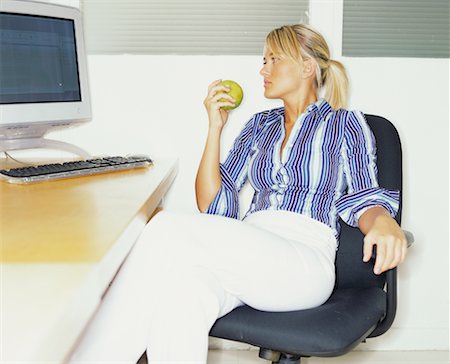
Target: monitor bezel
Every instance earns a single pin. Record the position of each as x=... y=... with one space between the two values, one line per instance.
x=34 y=120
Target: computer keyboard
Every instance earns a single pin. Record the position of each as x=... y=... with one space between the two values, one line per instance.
x=85 y=167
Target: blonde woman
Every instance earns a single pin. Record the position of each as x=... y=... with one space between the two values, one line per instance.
x=309 y=162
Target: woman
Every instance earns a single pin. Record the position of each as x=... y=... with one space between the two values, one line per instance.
x=309 y=162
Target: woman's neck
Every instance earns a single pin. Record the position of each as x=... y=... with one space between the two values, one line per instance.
x=294 y=108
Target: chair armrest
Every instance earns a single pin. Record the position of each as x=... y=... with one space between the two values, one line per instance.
x=391 y=304
x=409 y=237
x=391 y=294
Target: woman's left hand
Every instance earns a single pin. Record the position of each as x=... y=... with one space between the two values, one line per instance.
x=390 y=241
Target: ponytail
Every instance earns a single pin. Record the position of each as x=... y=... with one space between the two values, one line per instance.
x=335 y=84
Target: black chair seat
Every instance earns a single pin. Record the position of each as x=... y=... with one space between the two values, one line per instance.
x=332 y=329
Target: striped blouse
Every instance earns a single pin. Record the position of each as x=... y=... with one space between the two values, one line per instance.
x=326 y=169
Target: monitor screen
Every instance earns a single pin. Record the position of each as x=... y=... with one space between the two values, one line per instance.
x=38 y=59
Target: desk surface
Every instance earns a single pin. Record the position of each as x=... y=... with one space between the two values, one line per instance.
x=62 y=242
x=73 y=220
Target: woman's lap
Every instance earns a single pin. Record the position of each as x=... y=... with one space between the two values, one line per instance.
x=260 y=268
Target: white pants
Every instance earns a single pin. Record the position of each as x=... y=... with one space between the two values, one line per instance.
x=186 y=271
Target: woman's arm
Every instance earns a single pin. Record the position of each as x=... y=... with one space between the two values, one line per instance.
x=382 y=230
x=208 y=181
x=364 y=194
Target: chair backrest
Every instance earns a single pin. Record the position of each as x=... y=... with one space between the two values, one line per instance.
x=351 y=271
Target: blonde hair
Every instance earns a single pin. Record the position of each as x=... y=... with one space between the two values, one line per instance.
x=301 y=42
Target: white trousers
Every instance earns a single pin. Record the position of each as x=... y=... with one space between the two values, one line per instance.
x=186 y=271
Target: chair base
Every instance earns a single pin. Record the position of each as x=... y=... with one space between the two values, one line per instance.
x=279 y=358
x=274 y=356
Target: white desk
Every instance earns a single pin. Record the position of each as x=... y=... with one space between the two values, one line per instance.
x=61 y=244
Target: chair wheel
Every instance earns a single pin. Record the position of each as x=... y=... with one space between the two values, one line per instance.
x=268 y=354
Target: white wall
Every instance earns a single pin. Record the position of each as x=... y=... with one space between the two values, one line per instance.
x=153 y=105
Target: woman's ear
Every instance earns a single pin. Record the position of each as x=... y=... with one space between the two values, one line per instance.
x=309 y=68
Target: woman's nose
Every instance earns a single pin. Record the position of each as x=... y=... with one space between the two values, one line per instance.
x=263 y=71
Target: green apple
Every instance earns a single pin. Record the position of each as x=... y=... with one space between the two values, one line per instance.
x=235 y=92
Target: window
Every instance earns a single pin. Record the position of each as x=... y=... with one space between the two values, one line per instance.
x=185 y=27
x=396 y=28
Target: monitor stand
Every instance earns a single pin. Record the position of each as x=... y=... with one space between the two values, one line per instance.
x=32 y=143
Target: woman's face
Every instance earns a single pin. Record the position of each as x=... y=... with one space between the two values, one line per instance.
x=282 y=76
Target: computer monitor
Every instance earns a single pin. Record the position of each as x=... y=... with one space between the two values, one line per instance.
x=43 y=74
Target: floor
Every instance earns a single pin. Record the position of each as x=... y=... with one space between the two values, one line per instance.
x=356 y=357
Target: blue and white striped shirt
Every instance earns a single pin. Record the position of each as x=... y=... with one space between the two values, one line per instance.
x=327 y=167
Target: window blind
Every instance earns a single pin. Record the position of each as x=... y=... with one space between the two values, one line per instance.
x=185 y=27
x=396 y=28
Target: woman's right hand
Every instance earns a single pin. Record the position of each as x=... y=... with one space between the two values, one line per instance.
x=216 y=99
x=209 y=180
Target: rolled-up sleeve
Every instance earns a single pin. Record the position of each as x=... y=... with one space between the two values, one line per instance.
x=360 y=170
x=233 y=172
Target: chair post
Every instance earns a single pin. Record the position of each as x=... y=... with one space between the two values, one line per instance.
x=279 y=358
x=289 y=359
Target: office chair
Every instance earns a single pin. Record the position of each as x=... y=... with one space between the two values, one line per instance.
x=362 y=305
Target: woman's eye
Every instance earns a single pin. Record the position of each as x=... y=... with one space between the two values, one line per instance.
x=272 y=59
